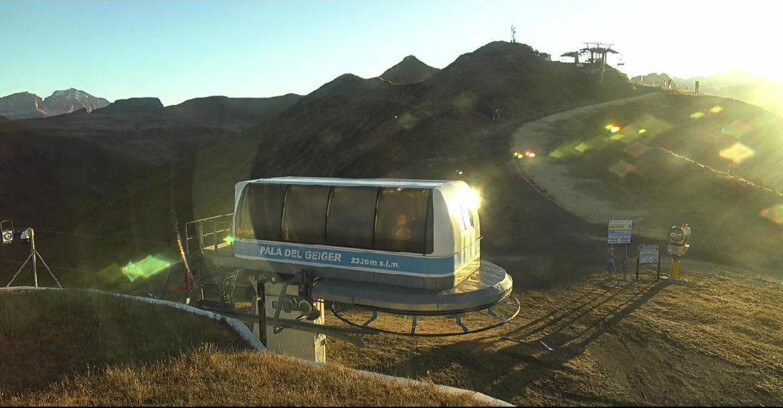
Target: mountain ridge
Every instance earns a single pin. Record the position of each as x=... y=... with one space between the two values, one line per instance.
x=409 y=70
x=753 y=89
x=26 y=105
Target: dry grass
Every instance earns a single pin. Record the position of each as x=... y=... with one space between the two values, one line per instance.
x=716 y=340
x=78 y=348
x=49 y=334
x=217 y=378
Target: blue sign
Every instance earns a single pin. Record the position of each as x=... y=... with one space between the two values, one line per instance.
x=648 y=254
x=344 y=258
x=620 y=231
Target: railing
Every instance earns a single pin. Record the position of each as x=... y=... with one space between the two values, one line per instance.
x=207 y=233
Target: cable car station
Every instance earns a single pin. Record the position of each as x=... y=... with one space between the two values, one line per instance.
x=361 y=246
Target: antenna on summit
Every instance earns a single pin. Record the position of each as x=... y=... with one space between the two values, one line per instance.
x=513 y=34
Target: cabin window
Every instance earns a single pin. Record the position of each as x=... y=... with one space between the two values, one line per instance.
x=351 y=216
x=386 y=219
x=401 y=220
x=304 y=215
x=465 y=218
x=261 y=208
x=429 y=233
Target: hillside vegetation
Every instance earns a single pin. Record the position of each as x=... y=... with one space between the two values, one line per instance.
x=53 y=165
x=49 y=334
x=79 y=348
x=673 y=158
x=409 y=70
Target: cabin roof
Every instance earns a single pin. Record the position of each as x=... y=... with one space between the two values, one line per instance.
x=367 y=182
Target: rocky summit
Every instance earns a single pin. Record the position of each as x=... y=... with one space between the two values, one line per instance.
x=26 y=105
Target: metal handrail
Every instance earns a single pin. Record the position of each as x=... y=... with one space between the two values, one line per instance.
x=217 y=228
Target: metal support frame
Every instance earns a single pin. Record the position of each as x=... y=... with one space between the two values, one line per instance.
x=33 y=254
x=372 y=319
x=278 y=308
x=610 y=263
x=462 y=325
x=625 y=262
x=261 y=303
x=339 y=311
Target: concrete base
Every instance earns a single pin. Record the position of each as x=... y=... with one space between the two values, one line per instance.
x=303 y=345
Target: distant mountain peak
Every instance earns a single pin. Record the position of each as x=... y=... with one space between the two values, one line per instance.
x=70 y=100
x=63 y=92
x=409 y=70
x=26 y=105
x=21 y=105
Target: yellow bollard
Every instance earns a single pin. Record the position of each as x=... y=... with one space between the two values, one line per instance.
x=676 y=268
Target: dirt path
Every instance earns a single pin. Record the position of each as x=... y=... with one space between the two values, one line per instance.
x=550 y=177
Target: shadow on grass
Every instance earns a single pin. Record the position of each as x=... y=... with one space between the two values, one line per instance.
x=509 y=372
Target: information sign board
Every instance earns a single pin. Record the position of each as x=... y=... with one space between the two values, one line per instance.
x=648 y=254
x=620 y=231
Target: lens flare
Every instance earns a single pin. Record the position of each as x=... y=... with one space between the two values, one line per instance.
x=774 y=214
x=407 y=121
x=737 y=153
x=642 y=131
x=621 y=168
x=558 y=154
x=716 y=109
x=229 y=240
x=737 y=129
x=636 y=149
x=615 y=129
x=697 y=115
x=773 y=180
x=653 y=126
x=145 y=268
x=472 y=198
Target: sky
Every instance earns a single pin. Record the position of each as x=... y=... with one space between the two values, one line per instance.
x=179 y=50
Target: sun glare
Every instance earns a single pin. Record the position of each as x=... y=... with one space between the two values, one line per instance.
x=145 y=268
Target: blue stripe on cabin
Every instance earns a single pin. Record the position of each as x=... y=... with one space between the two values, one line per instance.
x=342 y=258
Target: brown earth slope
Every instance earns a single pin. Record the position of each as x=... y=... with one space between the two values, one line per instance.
x=716 y=340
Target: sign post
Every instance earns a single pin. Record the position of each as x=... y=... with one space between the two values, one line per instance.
x=649 y=254
x=619 y=233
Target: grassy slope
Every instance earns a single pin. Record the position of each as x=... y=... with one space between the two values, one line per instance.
x=724 y=210
x=717 y=340
x=77 y=348
x=218 y=378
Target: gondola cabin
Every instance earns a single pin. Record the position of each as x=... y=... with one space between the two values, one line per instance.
x=409 y=233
